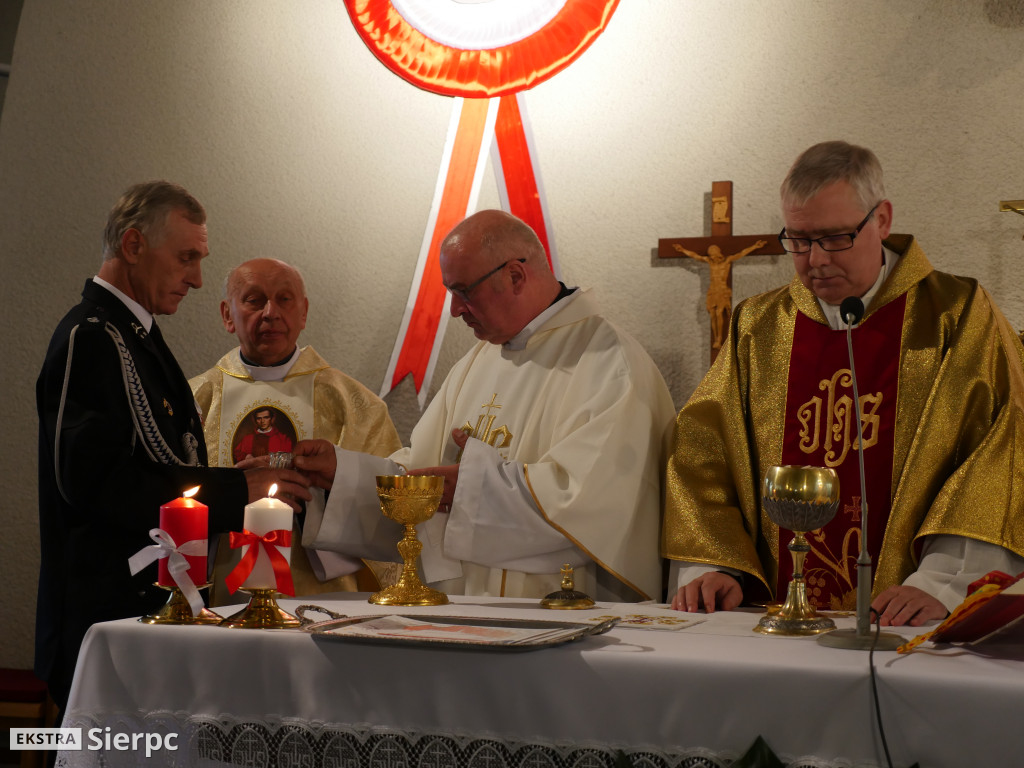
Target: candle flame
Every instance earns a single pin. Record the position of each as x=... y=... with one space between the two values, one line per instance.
x=273 y=490
x=191 y=492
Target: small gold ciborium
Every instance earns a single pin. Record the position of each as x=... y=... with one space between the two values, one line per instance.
x=409 y=499
x=799 y=499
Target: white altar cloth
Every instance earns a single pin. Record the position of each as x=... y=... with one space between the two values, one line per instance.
x=661 y=697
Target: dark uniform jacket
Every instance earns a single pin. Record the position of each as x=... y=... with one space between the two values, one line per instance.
x=119 y=435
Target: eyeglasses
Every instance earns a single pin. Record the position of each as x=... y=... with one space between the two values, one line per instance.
x=463 y=293
x=840 y=242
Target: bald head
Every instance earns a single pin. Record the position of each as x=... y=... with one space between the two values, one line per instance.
x=265 y=306
x=497 y=271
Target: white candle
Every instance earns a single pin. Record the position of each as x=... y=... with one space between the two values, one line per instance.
x=262 y=517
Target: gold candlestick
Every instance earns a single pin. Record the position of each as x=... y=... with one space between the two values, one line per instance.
x=177 y=610
x=262 y=612
x=800 y=499
x=409 y=499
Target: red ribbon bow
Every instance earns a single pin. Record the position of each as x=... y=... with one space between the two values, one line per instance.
x=271 y=542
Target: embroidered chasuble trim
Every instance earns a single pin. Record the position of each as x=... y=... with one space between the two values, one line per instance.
x=576 y=542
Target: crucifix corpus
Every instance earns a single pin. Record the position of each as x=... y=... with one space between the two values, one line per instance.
x=719 y=252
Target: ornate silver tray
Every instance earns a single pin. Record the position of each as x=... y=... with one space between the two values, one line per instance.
x=456 y=632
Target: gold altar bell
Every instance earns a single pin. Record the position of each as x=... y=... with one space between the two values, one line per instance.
x=567 y=598
x=799 y=499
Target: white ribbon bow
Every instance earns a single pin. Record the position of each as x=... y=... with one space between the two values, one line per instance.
x=176 y=562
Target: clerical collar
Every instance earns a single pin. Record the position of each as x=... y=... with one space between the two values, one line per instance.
x=519 y=341
x=144 y=316
x=835 y=320
x=275 y=372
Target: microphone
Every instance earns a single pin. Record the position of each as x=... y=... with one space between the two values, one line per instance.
x=852 y=311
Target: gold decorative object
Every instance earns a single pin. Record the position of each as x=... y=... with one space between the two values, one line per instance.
x=567 y=598
x=409 y=499
x=799 y=499
x=262 y=612
x=177 y=610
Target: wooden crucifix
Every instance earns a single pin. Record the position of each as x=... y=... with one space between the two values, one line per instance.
x=719 y=252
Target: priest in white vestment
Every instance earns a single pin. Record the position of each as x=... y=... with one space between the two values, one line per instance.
x=551 y=435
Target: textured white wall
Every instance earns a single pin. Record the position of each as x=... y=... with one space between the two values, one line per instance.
x=302 y=146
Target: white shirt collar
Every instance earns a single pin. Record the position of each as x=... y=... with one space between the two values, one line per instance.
x=145 y=317
x=835 y=320
x=520 y=340
x=270 y=372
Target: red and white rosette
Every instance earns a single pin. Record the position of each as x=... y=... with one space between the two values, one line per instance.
x=485 y=54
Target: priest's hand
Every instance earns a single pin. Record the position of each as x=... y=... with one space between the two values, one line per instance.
x=902 y=605
x=711 y=591
x=450 y=472
x=292 y=487
x=317 y=460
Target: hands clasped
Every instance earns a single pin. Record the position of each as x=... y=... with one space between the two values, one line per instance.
x=314 y=464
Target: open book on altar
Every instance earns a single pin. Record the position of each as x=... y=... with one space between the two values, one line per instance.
x=992 y=612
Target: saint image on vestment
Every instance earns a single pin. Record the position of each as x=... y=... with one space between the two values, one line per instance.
x=263 y=431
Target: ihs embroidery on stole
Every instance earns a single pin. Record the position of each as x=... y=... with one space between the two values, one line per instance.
x=837 y=431
x=485 y=431
x=828 y=427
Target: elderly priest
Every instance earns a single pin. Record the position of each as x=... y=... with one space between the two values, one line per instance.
x=267 y=381
x=942 y=394
x=549 y=434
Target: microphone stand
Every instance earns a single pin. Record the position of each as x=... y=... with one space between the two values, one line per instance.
x=852 y=310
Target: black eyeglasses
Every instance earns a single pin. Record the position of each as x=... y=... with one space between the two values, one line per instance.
x=840 y=242
x=463 y=293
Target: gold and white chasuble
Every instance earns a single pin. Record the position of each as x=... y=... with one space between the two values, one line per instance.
x=943 y=427
x=313 y=400
x=568 y=430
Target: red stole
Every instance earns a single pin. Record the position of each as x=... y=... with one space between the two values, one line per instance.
x=821 y=430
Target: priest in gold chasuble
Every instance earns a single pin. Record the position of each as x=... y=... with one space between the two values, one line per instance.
x=942 y=397
x=267 y=394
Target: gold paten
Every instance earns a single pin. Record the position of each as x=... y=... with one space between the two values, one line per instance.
x=567 y=598
x=262 y=612
x=177 y=610
x=408 y=500
x=799 y=499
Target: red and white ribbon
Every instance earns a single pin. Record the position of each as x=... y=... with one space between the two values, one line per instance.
x=485 y=55
x=177 y=565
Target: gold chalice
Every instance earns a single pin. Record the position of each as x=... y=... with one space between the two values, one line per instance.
x=409 y=499
x=799 y=499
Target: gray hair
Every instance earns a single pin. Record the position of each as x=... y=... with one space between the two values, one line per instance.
x=832 y=161
x=145 y=207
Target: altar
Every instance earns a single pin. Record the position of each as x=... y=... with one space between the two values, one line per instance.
x=696 y=694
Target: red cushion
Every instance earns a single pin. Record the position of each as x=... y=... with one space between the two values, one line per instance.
x=21 y=685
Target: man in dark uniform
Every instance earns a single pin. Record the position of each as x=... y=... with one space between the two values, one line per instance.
x=119 y=433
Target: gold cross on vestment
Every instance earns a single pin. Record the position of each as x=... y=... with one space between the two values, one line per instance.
x=487 y=406
x=719 y=252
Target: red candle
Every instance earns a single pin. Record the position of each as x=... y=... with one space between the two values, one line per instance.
x=184 y=520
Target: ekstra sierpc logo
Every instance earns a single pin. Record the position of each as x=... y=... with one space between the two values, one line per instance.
x=68 y=739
